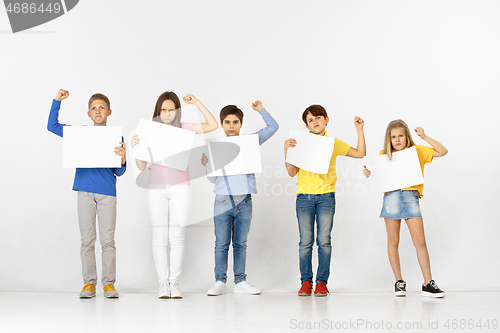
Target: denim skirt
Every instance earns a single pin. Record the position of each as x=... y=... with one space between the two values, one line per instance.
x=401 y=204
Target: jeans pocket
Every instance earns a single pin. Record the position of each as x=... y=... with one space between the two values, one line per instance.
x=248 y=201
x=221 y=199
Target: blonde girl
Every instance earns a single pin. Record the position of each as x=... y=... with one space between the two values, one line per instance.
x=404 y=204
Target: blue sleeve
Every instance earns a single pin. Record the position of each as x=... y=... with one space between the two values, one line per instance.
x=120 y=171
x=271 y=127
x=53 y=124
x=212 y=179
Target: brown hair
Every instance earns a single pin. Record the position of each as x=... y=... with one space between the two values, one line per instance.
x=315 y=110
x=388 y=149
x=101 y=97
x=168 y=95
x=231 y=109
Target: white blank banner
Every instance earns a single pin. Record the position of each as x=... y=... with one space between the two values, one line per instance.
x=312 y=152
x=403 y=171
x=247 y=161
x=158 y=141
x=91 y=146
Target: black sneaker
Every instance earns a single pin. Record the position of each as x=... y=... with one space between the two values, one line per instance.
x=400 y=288
x=432 y=290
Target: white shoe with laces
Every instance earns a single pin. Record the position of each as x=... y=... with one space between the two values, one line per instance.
x=175 y=291
x=244 y=287
x=219 y=288
x=164 y=291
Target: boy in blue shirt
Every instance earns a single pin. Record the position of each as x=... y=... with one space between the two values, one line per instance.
x=233 y=207
x=96 y=195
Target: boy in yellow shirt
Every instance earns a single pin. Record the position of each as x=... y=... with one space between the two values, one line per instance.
x=316 y=201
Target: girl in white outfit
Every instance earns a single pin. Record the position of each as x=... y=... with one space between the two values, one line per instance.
x=168 y=195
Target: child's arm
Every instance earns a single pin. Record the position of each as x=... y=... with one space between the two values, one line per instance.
x=120 y=151
x=210 y=125
x=290 y=168
x=271 y=124
x=53 y=124
x=204 y=161
x=439 y=149
x=140 y=163
x=360 y=150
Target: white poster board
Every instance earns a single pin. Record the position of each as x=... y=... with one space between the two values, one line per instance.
x=91 y=146
x=312 y=152
x=163 y=144
x=247 y=160
x=402 y=172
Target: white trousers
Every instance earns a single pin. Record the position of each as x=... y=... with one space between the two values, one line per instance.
x=168 y=210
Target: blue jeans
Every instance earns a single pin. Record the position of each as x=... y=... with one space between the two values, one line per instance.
x=232 y=217
x=319 y=207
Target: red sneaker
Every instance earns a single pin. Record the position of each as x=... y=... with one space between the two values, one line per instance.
x=321 y=290
x=306 y=289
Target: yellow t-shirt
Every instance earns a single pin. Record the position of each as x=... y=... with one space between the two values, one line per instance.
x=313 y=183
x=424 y=156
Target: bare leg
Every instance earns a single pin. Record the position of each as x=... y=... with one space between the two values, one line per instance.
x=416 y=227
x=393 y=227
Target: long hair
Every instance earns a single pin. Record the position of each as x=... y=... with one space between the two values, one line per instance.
x=168 y=95
x=388 y=148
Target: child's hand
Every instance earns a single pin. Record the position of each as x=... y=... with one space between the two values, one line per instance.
x=62 y=94
x=366 y=172
x=190 y=99
x=204 y=159
x=135 y=140
x=359 y=123
x=257 y=106
x=420 y=132
x=290 y=143
x=120 y=151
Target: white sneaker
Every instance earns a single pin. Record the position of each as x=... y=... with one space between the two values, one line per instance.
x=219 y=288
x=164 y=291
x=244 y=287
x=175 y=291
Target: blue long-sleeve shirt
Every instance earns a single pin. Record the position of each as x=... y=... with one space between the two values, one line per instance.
x=245 y=184
x=93 y=180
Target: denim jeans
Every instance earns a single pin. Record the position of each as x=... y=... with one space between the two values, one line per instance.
x=319 y=207
x=232 y=217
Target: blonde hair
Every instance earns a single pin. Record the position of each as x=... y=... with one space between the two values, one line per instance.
x=101 y=97
x=388 y=149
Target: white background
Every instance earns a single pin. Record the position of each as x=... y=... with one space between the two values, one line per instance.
x=432 y=63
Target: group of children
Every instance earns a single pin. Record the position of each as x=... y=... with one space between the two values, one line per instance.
x=168 y=202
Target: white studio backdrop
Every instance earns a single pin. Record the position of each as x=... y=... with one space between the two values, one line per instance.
x=433 y=64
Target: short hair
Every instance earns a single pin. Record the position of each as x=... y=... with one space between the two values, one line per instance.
x=101 y=97
x=315 y=110
x=168 y=95
x=388 y=148
x=231 y=110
